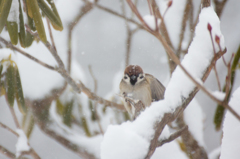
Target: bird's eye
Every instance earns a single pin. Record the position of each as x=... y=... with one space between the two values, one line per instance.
x=125 y=77
x=141 y=77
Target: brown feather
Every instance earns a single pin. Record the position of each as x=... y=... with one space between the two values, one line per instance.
x=157 y=88
x=133 y=70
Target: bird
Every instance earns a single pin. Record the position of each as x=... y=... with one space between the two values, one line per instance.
x=138 y=85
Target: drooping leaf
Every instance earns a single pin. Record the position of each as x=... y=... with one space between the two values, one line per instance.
x=4 y=11
x=30 y=127
x=2 y=89
x=60 y=107
x=13 y=32
x=29 y=10
x=54 y=18
x=85 y=126
x=55 y=11
x=10 y=85
x=1 y=68
x=93 y=113
x=31 y=24
x=22 y=27
x=25 y=39
x=68 y=113
x=19 y=92
x=37 y=19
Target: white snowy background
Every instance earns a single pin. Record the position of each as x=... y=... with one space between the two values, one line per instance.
x=99 y=40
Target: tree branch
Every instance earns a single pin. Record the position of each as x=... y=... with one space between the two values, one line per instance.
x=83 y=11
x=9 y=129
x=173 y=136
x=12 y=47
x=7 y=153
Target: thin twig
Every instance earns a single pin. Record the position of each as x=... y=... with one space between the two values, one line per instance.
x=50 y=33
x=95 y=104
x=78 y=87
x=130 y=34
x=193 y=25
x=115 y=13
x=214 y=51
x=83 y=11
x=163 y=29
x=9 y=129
x=150 y=7
x=11 y=46
x=183 y=28
x=7 y=153
x=14 y=117
x=173 y=136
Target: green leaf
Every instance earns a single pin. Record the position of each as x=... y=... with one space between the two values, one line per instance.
x=2 y=89
x=85 y=126
x=52 y=16
x=60 y=107
x=19 y=92
x=94 y=115
x=51 y=2
x=68 y=114
x=22 y=27
x=37 y=19
x=218 y=118
x=1 y=68
x=10 y=85
x=4 y=11
x=219 y=113
x=29 y=11
x=25 y=39
x=13 y=32
x=31 y=24
x=30 y=127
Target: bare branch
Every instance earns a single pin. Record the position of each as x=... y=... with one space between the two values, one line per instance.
x=163 y=27
x=9 y=129
x=13 y=115
x=78 y=87
x=173 y=136
x=7 y=153
x=50 y=33
x=214 y=51
x=95 y=104
x=83 y=11
x=11 y=46
x=183 y=28
x=116 y=14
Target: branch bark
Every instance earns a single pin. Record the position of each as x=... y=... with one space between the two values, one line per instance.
x=173 y=136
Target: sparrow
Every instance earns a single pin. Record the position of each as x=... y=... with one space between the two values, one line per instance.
x=138 y=85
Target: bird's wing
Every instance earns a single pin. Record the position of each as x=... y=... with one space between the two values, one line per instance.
x=157 y=88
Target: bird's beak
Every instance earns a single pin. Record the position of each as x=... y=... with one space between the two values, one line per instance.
x=133 y=77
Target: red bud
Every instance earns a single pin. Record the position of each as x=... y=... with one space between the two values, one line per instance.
x=169 y=3
x=217 y=39
x=209 y=27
